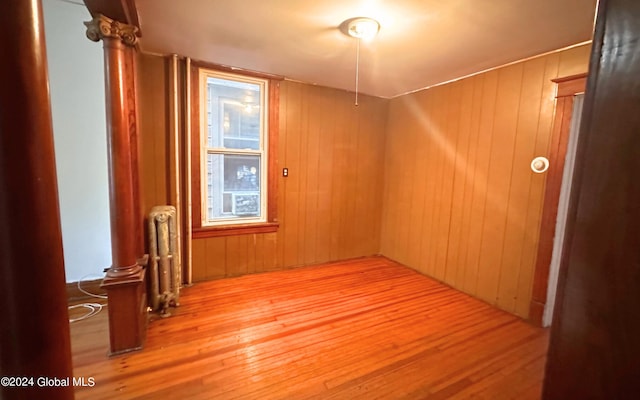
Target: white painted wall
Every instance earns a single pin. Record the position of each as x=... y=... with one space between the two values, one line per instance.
x=76 y=82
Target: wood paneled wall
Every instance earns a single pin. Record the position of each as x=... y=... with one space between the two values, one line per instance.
x=461 y=203
x=330 y=205
x=450 y=164
x=153 y=109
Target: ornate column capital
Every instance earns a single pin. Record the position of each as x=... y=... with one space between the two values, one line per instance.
x=101 y=27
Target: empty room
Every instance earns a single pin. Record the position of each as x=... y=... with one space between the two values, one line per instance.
x=319 y=200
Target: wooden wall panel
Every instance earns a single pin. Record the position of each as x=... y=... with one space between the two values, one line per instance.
x=450 y=165
x=330 y=205
x=153 y=102
x=458 y=182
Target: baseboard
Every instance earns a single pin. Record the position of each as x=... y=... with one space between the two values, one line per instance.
x=92 y=286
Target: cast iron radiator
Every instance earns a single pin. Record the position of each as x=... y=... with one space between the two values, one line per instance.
x=164 y=259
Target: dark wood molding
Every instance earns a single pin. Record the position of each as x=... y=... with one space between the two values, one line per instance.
x=569 y=78
x=196 y=195
x=272 y=151
x=273 y=98
x=557 y=153
x=34 y=325
x=127 y=312
x=594 y=351
x=556 y=156
x=234 y=70
x=229 y=230
x=571 y=85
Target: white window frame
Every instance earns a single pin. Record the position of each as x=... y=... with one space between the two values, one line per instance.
x=205 y=150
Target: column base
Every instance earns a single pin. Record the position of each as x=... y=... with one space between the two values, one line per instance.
x=127 y=305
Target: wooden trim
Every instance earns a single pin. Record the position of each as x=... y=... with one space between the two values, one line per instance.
x=557 y=152
x=188 y=253
x=570 y=78
x=570 y=86
x=272 y=151
x=92 y=286
x=228 y=230
x=196 y=213
x=234 y=70
x=271 y=225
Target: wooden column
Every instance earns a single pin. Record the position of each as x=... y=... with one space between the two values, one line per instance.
x=124 y=282
x=594 y=350
x=34 y=326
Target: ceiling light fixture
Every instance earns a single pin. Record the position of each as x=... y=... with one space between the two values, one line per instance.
x=361 y=28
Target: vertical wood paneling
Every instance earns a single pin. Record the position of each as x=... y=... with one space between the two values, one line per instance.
x=416 y=162
x=392 y=160
x=472 y=199
x=430 y=190
x=330 y=205
x=312 y=149
x=282 y=184
x=154 y=147
x=499 y=181
x=215 y=262
x=292 y=96
x=487 y=104
x=515 y=234
x=450 y=165
x=537 y=183
x=325 y=178
x=467 y=271
x=459 y=211
x=199 y=257
x=440 y=143
x=270 y=260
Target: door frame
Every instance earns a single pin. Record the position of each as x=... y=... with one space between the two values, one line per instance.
x=567 y=88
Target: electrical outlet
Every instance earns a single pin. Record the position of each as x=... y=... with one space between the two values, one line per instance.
x=285 y=172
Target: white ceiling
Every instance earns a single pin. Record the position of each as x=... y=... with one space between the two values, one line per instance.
x=421 y=42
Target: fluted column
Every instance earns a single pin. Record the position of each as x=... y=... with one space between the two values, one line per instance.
x=124 y=280
x=34 y=325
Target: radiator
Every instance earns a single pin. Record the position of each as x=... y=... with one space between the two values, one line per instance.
x=164 y=259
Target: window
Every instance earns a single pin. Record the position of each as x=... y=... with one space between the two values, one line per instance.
x=233 y=153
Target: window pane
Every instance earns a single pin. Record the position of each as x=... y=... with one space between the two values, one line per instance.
x=233 y=114
x=233 y=186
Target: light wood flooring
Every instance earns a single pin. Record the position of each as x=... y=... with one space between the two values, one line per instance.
x=360 y=329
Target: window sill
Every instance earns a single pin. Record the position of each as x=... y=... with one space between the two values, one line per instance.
x=230 y=230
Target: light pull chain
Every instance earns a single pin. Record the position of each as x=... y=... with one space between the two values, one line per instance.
x=357 y=69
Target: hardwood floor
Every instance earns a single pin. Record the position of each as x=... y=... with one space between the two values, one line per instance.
x=360 y=329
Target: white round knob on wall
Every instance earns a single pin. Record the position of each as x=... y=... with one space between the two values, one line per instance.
x=539 y=165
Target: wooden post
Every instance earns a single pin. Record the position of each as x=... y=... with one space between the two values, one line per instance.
x=594 y=350
x=34 y=326
x=124 y=282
